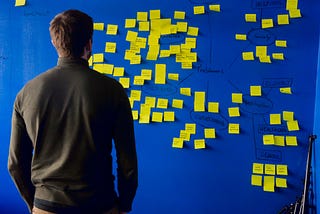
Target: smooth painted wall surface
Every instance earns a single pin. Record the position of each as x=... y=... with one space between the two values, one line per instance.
x=216 y=179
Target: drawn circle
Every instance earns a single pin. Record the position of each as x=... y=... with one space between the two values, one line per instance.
x=159 y=90
x=207 y=119
x=256 y=105
x=261 y=37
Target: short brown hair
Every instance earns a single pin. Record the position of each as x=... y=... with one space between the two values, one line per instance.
x=70 y=31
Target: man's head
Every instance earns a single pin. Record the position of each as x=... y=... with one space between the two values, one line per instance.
x=71 y=34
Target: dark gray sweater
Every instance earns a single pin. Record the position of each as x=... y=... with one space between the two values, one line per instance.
x=63 y=124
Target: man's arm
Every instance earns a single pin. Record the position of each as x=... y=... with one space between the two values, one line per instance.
x=19 y=160
x=126 y=155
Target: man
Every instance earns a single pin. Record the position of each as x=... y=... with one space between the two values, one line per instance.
x=63 y=124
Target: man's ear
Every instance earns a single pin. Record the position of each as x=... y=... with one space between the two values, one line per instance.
x=52 y=42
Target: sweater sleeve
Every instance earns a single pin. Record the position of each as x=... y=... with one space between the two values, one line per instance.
x=19 y=159
x=124 y=139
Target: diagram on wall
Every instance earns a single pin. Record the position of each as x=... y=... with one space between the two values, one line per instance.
x=222 y=104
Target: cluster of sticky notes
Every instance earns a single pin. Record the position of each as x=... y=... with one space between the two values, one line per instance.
x=146 y=109
x=281 y=19
x=200 y=9
x=269 y=176
x=152 y=23
x=185 y=136
x=276 y=140
x=286 y=116
x=261 y=52
x=20 y=3
x=292 y=7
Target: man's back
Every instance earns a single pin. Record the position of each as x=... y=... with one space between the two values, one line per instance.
x=71 y=114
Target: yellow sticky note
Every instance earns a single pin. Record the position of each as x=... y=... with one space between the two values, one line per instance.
x=185 y=91
x=268 y=183
x=150 y=101
x=173 y=76
x=118 y=71
x=177 y=143
x=199 y=144
x=282 y=169
x=293 y=125
x=251 y=17
x=98 y=26
x=90 y=61
x=288 y=115
x=135 y=95
x=160 y=74
x=135 y=114
x=209 y=133
x=268 y=139
x=182 y=27
x=267 y=23
x=98 y=57
x=176 y=103
x=193 y=31
x=257 y=168
x=279 y=140
x=157 y=117
x=164 y=53
x=255 y=90
x=179 y=15
x=144 y=26
x=125 y=82
x=233 y=111
x=104 y=68
x=146 y=74
x=131 y=36
x=198 y=10
x=112 y=29
x=286 y=90
x=291 y=141
x=110 y=47
x=265 y=59
x=130 y=23
x=281 y=43
x=162 y=103
x=281 y=182
x=136 y=59
x=155 y=14
x=138 y=80
x=144 y=116
x=241 y=37
x=213 y=107
x=142 y=16
x=269 y=169
x=283 y=19
x=199 y=101
x=168 y=116
x=185 y=135
x=295 y=13
x=190 y=128
x=215 y=7
x=175 y=49
x=256 y=180
x=20 y=3
x=261 y=51
x=247 y=56
x=237 y=97
x=278 y=56
x=191 y=42
x=275 y=119
x=291 y=4
x=234 y=128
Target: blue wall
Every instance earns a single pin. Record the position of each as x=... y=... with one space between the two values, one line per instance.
x=216 y=179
